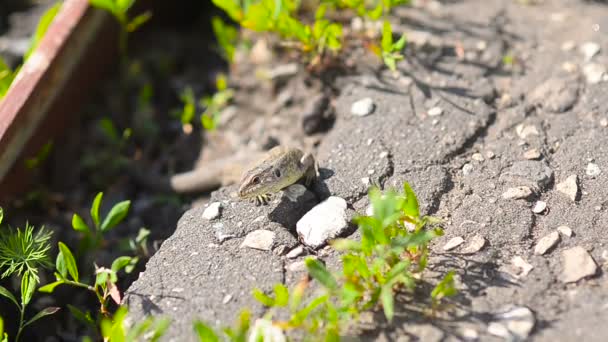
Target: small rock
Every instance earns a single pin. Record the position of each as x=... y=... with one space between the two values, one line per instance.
x=366 y=181
x=604 y=122
x=325 y=221
x=589 y=50
x=469 y=334
x=220 y=235
x=226 y=299
x=593 y=170
x=467 y=169
x=539 y=207
x=532 y=154
x=264 y=330
x=435 y=111
x=594 y=73
x=260 y=52
x=490 y=155
x=280 y=250
x=522 y=265
x=294 y=253
x=363 y=107
x=298 y=266
x=569 y=187
x=520 y=192
x=513 y=323
x=565 y=230
x=259 y=239
x=453 y=243
x=212 y=211
x=532 y=173
x=524 y=131
x=477 y=157
x=475 y=245
x=578 y=264
x=546 y=243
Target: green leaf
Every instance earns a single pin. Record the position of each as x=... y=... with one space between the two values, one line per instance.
x=400 y=44
x=95 y=209
x=43 y=25
x=319 y=272
x=139 y=20
x=79 y=225
x=107 y=5
x=116 y=215
x=205 y=333
x=159 y=329
x=387 y=37
x=1 y=215
x=231 y=7
x=28 y=287
x=81 y=316
x=6 y=293
x=70 y=263
x=388 y=301
x=45 y=312
x=301 y=315
x=411 y=207
x=120 y=263
x=445 y=288
x=345 y=245
x=124 y=5
x=281 y=294
x=60 y=265
x=376 y=13
x=263 y=298
x=49 y=288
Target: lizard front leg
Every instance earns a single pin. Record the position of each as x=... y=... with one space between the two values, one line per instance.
x=308 y=163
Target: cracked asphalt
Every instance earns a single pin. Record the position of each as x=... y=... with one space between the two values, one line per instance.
x=532 y=123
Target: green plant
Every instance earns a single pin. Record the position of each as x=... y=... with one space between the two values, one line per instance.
x=104 y=286
x=237 y=334
x=93 y=235
x=43 y=25
x=188 y=111
x=226 y=36
x=214 y=104
x=391 y=51
x=444 y=289
x=365 y=8
x=115 y=329
x=40 y=157
x=119 y=9
x=6 y=77
x=22 y=254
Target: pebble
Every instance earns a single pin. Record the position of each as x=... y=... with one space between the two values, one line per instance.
x=532 y=154
x=469 y=334
x=294 y=253
x=453 y=243
x=264 y=330
x=213 y=211
x=604 y=122
x=435 y=111
x=475 y=245
x=565 y=230
x=594 y=73
x=546 y=243
x=589 y=50
x=283 y=71
x=513 y=323
x=366 y=181
x=578 y=264
x=539 y=207
x=477 y=157
x=532 y=173
x=325 y=221
x=524 y=131
x=259 y=239
x=363 y=107
x=490 y=155
x=519 y=192
x=227 y=298
x=467 y=169
x=298 y=266
x=220 y=235
x=569 y=187
x=524 y=267
x=593 y=170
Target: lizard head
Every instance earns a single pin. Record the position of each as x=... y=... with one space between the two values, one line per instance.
x=263 y=180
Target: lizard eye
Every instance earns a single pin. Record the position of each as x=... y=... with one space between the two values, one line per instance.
x=255 y=180
x=277 y=173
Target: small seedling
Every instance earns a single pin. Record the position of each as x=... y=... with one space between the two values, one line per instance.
x=226 y=36
x=391 y=51
x=22 y=254
x=215 y=104
x=444 y=289
x=115 y=329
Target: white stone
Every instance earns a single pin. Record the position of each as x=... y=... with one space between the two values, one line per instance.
x=594 y=73
x=294 y=253
x=490 y=155
x=565 y=230
x=327 y=220
x=259 y=239
x=476 y=243
x=227 y=298
x=578 y=264
x=532 y=154
x=593 y=170
x=539 y=207
x=589 y=50
x=477 y=157
x=363 y=107
x=435 y=111
x=265 y=330
x=524 y=267
x=467 y=169
x=524 y=131
x=453 y=243
x=519 y=192
x=546 y=243
x=604 y=122
x=569 y=187
x=212 y=211
x=513 y=323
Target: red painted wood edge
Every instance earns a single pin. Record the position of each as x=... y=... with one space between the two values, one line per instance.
x=51 y=85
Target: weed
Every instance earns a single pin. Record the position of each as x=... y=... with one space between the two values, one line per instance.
x=214 y=104
x=115 y=329
x=22 y=254
x=226 y=36
x=391 y=51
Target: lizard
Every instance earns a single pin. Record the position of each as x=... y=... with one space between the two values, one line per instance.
x=281 y=167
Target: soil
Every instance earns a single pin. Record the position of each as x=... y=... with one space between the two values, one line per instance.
x=508 y=76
